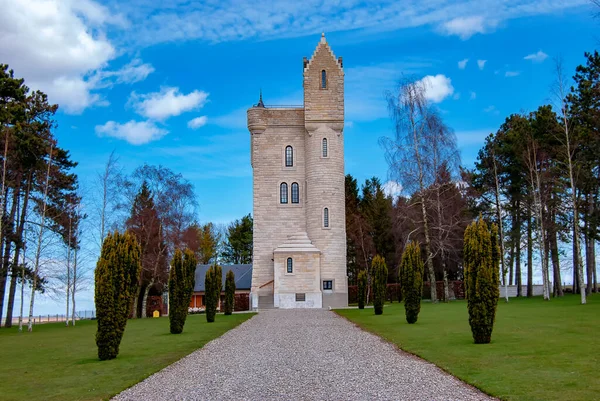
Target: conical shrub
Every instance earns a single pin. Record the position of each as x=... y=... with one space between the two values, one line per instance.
x=212 y=291
x=481 y=268
x=362 y=289
x=380 y=273
x=229 y=292
x=181 y=287
x=411 y=281
x=116 y=280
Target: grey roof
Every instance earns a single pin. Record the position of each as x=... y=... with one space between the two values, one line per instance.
x=243 y=276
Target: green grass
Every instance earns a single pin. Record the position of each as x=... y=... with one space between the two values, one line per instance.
x=539 y=350
x=61 y=363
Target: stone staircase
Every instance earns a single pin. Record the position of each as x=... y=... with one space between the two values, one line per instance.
x=265 y=302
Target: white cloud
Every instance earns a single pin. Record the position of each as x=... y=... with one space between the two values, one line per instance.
x=197 y=122
x=56 y=45
x=538 y=57
x=437 y=87
x=492 y=110
x=392 y=189
x=134 y=132
x=133 y=72
x=230 y=20
x=472 y=95
x=167 y=103
x=511 y=74
x=465 y=27
x=463 y=64
x=481 y=64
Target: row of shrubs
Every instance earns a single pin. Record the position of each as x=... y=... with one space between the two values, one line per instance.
x=116 y=281
x=393 y=291
x=481 y=263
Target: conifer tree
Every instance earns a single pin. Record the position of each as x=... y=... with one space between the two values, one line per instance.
x=116 y=279
x=380 y=273
x=181 y=287
x=481 y=264
x=212 y=291
x=229 y=292
x=362 y=289
x=411 y=279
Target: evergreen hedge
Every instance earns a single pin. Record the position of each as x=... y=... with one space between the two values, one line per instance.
x=116 y=280
x=411 y=281
x=362 y=288
x=229 y=292
x=181 y=287
x=380 y=273
x=482 y=278
x=212 y=291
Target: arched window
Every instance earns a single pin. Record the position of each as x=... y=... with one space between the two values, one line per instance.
x=283 y=193
x=324 y=147
x=326 y=217
x=295 y=193
x=323 y=79
x=289 y=156
x=290 y=265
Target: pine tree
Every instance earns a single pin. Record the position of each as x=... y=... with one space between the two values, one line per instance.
x=116 y=279
x=481 y=264
x=362 y=289
x=380 y=273
x=411 y=279
x=229 y=292
x=181 y=287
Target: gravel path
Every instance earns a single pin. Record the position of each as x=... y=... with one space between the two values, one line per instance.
x=300 y=354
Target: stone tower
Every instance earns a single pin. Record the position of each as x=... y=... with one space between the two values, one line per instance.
x=297 y=156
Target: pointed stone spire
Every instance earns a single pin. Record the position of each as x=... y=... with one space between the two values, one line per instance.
x=323 y=40
x=260 y=100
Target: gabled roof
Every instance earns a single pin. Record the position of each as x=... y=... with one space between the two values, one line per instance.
x=323 y=46
x=243 y=276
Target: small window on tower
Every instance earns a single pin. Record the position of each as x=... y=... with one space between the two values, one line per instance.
x=290 y=265
x=283 y=193
x=323 y=79
x=326 y=218
x=324 y=147
x=295 y=193
x=328 y=285
x=289 y=156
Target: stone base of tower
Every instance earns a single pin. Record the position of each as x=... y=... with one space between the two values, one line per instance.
x=290 y=301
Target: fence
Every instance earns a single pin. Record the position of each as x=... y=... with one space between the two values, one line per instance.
x=53 y=318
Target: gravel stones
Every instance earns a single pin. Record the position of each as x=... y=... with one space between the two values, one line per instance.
x=300 y=354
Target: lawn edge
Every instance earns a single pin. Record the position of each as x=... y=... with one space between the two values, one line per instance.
x=413 y=355
x=253 y=314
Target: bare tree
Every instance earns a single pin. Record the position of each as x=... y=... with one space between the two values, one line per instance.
x=108 y=192
x=568 y=151
x=409 y=154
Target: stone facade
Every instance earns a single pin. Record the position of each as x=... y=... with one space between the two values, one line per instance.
x=312 y=232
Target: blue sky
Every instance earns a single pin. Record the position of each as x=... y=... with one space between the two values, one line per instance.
x=170 y=83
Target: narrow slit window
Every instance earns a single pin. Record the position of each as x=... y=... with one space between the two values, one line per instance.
x=289 y=156
x=325 y=147
x=295 y=193
x=326 y=217
x=283 y=193
x=290 y=265
x=323 y=79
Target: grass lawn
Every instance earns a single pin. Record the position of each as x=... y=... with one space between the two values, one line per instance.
x=539 y=350
x=61 y=363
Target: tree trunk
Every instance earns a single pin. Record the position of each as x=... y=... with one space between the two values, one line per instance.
x=512 y=262
x=558 y=290
x=589 y=246
x=529 y=254
x=145 y=299
x=575 y=264
x=14 y=272
x=518 y=275
x=446 y=288
x=74 y=283
x=431 y=271
x=7 y=248
x=136 y=301
x=22 y=288
x=39 y=244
